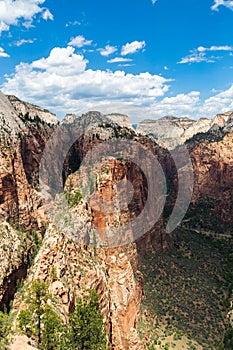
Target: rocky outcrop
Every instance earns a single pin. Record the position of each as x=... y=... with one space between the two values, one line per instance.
x=112 y=271
x=10 y=122
x=22 y=140
x=169 y=132
x=32 y=112
x=71 y=269
x=120 y=119
x=22 y=217
x=213 y=183
x=13 y=259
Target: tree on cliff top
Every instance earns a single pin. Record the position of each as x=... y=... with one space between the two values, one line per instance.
x=40 y=321
x=87 y=328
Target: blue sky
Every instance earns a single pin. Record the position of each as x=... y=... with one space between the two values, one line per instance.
x=142 y=58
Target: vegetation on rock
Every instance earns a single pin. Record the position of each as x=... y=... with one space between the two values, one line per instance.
x=41 y=322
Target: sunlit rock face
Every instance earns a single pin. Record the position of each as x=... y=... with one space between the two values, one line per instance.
x=170 y=132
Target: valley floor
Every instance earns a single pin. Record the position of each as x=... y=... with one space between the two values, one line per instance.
x=187 y=292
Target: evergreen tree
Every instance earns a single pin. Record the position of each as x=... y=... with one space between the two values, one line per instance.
x=52 y=329
x=4 y=330
x=40 y=320
x=87 y=329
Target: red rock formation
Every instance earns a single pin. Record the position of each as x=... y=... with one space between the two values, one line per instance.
x=213 y=180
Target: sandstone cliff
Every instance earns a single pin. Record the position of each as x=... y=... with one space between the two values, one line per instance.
x=22 y=217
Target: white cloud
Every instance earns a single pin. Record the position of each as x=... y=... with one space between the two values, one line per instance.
x=108 y=50
x=80 y=41
x=196 y=57
x=3 y=53
x=132 y=47
x=3 y=27
x=215 y=48
x=24 y=41
x=221 y=102
x=153 y=1
x=119 y=59
x=180 y=105
x=200 y=54
x=11 y=11
x=47 y=15
x=226 y=3
x=62 y=83
x=126 y=65
x=74 y=23
x=64 y=58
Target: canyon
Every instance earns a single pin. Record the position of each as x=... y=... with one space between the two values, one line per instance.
x=79 y=244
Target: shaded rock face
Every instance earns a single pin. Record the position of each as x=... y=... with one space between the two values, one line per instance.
x=13 y=260
x=211 y=155
x=213 y=183
x=211 y=205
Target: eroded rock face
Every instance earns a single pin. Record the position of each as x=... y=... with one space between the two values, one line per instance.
x=13 y=260
x=169 y=132
x=9 y=120
x=71 y=269
x=32 y=112
x=22 y=140
x=120 y=119
x=21 y=211
x=213 y=182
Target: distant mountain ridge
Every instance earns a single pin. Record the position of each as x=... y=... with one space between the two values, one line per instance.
x=170 y=131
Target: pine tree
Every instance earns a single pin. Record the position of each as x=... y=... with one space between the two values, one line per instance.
x=40 y=320
x=87 y=329
x=52 y=329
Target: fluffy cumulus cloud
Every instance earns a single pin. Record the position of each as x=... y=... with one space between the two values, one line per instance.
x=201 y=54
x=181 y=105
x=219 y=103
x=80 y=41
x=132 y=47
x=226 y=3
x=108 y=50
x=11 y=11
x=46 y=15
x=63 y=83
